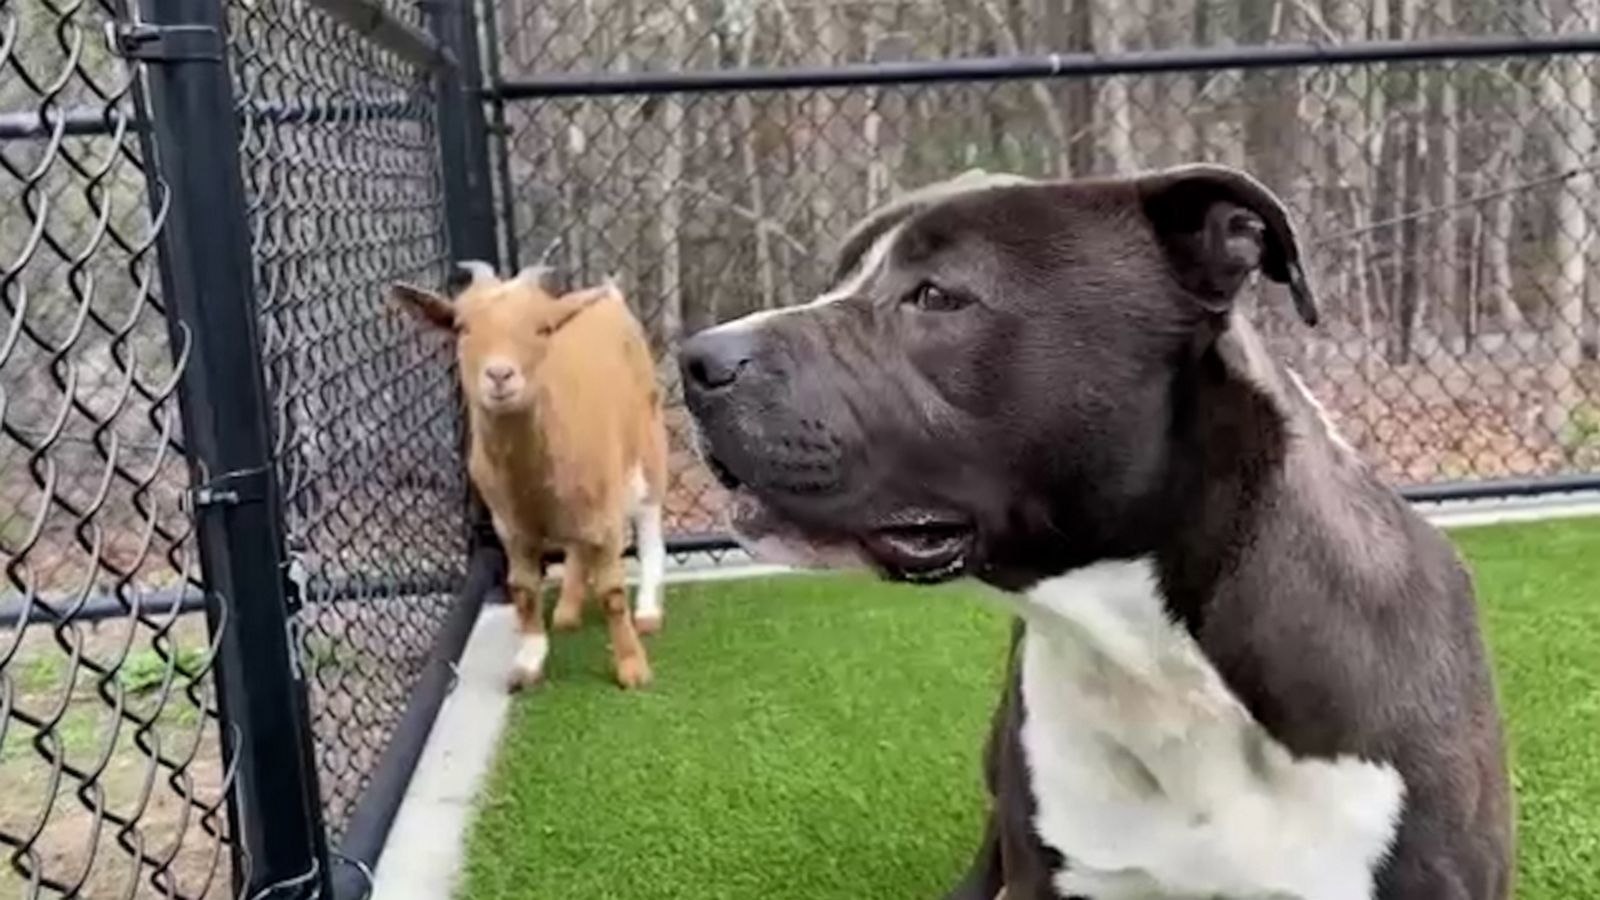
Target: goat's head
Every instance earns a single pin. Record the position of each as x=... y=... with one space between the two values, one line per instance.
x=502 y=329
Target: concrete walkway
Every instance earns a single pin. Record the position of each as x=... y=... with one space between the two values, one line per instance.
x=423 y=856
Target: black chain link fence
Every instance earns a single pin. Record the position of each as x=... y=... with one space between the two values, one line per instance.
x=113 y=750
x=110 y=768
x=345 y=196
x=1451 y=207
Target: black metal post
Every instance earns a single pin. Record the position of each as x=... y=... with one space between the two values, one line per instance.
x=208 y=287
x=502 y=134
x=463 y=134
x=468 y=185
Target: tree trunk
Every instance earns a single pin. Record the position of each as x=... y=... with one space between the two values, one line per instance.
x=1444 y=168
x=1006 y=38
x=744 y=111
x=1499 y=281
x=1116 y=100
x=669 y=222
x=1568 y=95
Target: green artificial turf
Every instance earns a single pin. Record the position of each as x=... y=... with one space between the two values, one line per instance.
x=818 y=737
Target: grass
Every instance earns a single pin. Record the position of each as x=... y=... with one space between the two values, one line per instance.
x=819 y=737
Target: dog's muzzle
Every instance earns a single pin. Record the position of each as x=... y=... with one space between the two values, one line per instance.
x=800 y=495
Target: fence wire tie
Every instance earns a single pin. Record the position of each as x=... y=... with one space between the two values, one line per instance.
x=311 y=876
x=368 y=879
x=230 y=489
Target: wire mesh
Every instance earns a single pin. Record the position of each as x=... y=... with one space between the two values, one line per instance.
x=345 y=196
x=1450 y=210
x=110 y=761
x=544 y=36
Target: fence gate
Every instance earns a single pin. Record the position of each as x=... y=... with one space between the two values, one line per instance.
x=233 y=527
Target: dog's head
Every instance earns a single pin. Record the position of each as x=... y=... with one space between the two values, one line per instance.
x=988 y=388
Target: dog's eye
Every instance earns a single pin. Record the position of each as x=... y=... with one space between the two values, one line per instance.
x=931 y=298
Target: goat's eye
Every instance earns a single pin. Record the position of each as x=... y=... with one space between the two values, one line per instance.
x=931 y=298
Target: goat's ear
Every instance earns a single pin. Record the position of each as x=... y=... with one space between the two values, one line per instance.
x=429 y=308
x=1218 y=225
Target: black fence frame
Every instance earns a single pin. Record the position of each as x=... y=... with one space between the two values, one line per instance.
x=186 y=116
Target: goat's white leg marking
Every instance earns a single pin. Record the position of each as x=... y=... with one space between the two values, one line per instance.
x=652 y=550
x=532 y=651
x=1153 y=780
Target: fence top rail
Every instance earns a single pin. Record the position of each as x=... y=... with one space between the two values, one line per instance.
x=374 y=21
x=1051 y=65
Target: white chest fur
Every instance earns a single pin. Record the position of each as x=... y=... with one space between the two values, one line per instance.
x=1154 y=781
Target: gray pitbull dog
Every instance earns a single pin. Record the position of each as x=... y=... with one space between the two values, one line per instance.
x=1242 y=666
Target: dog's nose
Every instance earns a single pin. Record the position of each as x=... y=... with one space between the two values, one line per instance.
x=499 y=373
x=713 y=359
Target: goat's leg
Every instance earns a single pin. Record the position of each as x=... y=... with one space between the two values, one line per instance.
x=627 y=651
x=574 y=591
x=526 y=583
x=648 y=610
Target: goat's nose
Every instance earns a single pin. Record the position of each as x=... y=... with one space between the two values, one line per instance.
x=713 y=359
x=499 y=373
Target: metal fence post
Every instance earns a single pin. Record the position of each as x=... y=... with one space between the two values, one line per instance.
x=463 y=133
x=468 y=185
x=208 y=287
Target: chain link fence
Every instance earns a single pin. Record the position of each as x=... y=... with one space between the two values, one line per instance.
x=1450 y=206
x=109 y=726
x=119 y=751
x=343 y=181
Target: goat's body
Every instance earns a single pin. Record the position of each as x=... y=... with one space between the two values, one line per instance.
x=588 y=454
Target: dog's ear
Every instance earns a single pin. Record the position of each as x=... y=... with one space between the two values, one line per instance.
x=1219 y=225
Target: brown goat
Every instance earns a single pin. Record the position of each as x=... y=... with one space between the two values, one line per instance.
x=567 y=440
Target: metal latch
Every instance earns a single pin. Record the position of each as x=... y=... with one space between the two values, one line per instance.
x=165 y=43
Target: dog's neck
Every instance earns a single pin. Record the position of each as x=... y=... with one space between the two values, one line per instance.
x=1247 y=438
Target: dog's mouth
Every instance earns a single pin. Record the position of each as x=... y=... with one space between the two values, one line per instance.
x=918 y=545
x=931 y=547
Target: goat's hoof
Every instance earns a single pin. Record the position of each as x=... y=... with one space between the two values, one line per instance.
x=633 y=672
x=647 y=624
x=564 y=619
x=524 y=679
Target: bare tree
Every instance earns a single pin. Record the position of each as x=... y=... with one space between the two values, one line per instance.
x=1006 y=37
x=669 y=181
x=1567 y=93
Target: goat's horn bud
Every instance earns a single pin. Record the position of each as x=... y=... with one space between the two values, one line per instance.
x=478 y=269
x=534 y=275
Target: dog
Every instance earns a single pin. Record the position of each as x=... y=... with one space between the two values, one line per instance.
x=1241 y=666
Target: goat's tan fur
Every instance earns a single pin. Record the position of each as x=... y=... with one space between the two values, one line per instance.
x=567 y=438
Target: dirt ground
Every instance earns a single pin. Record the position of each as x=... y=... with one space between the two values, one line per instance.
x=166 y=803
